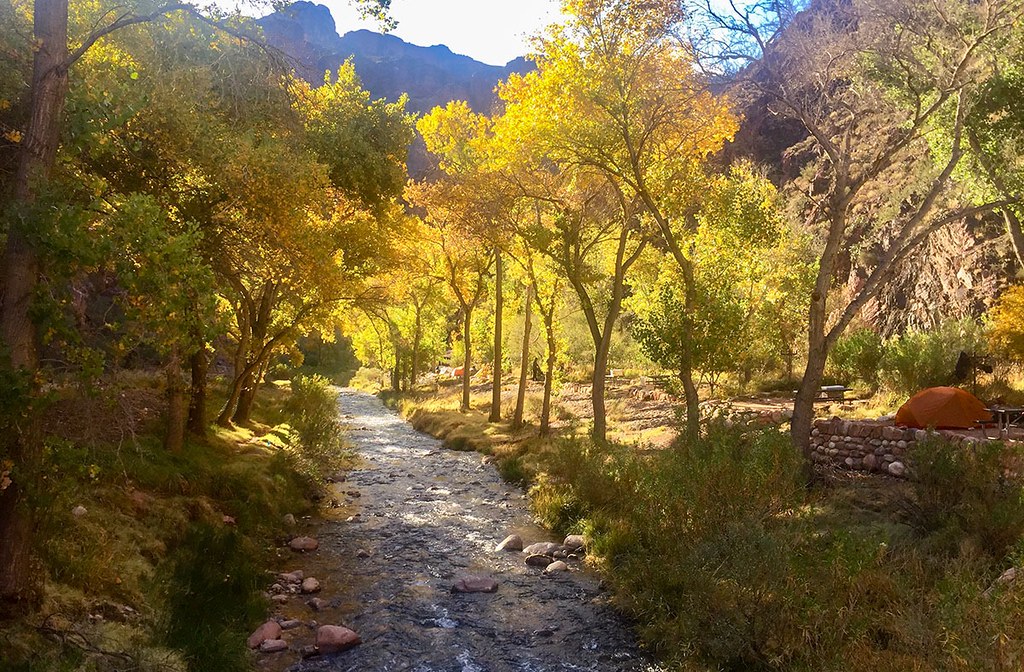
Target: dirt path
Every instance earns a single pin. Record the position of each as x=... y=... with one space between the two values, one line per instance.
x=413 y=519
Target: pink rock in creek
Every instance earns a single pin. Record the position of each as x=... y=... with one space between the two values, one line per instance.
x=269 y=630
x=335 y=638
x=304 y=544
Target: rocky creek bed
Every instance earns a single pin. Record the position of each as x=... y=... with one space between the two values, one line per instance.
x=410 y=522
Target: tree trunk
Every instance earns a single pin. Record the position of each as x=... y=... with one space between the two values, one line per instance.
x=692 y=432
x=224 y=417
x=524 y=362
x=417 y=336
x=549 y=377
x=467 y=360
x=18 y=279
x=249 y=391
x=199 y=363
x=600 y=430
x=499 y=304
x=174 y=435
x=1013 y=228
x=810 y=386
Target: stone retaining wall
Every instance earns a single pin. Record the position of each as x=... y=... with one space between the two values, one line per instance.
x=876 y=446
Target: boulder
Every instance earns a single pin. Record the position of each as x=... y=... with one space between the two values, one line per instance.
x=310 y=585
x=897 y=469
x=290 y=624
x=475 y=584
x=301 y=544
x=512 y=542
x=269 y=630
x=335 y=638
x=538 y=560
x=273 y=646
x=556 y=567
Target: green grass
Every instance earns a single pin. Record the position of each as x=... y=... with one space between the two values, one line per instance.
x=179 y=584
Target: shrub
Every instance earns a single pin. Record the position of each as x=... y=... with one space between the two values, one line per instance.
x=312 y=411
x=968 y=493
x=857 y=356
x=920 y=359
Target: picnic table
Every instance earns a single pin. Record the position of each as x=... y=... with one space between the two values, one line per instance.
x=1006 y=417
x=832 y=393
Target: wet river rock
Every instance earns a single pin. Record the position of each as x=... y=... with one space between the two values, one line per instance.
x=427 y=517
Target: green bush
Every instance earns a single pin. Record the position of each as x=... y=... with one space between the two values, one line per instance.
x=728 y=562
x=857 y=356
x=968 y=493
x=312 y=412
x=920 y=359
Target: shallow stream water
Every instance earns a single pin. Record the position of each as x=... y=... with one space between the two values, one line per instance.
x=411 y=519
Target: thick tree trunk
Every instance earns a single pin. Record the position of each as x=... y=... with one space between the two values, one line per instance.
x=600 y=430
x=19 y=277
x=524 y=362
x=174 y=435
x=199 y=363
x=499 y=304
x=249 y=391
x=549 y=377
x=467 y=360
x=224 y=417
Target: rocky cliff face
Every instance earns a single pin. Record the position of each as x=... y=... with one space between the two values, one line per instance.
x=387 y=65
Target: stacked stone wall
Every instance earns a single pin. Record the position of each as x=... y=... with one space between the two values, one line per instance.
x=863 y=445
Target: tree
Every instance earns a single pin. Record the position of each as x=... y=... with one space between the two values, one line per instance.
x=464 y=259
x=462 y=141
x=867 y=82
x=616 y=91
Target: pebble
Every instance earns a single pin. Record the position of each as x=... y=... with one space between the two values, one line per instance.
x=288 y=519
x=316 y=604
x=269 y=630
x=292 y=577
x=335 y=638
x=279 y=599
x=512 y=542
x=310 y=585
x=79 y=511
x=555 y=567
x=304 y=544
x=290 y=624
x=574 y=542
x=475 y=584
x=542 y=548
x=273 y=646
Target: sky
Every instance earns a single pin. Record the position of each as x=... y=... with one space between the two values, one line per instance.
x=492 y=31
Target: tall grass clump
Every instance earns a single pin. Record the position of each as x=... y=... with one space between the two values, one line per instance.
x=728 y=562
x=312 y=412
x=214 y=599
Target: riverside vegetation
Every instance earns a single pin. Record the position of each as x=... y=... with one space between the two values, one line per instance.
x=720 y=199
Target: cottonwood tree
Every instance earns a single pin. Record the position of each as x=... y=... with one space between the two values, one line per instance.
x=464 y=259
x=462 y=142
x=55 y=53
x=867 y=82
x=615 y=91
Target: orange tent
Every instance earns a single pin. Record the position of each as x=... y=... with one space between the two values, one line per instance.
x=942 y=408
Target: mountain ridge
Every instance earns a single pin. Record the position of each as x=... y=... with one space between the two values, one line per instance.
x=387 y=65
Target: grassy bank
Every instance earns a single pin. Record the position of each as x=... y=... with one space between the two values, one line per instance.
x=153 y=560
x=727 y=562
